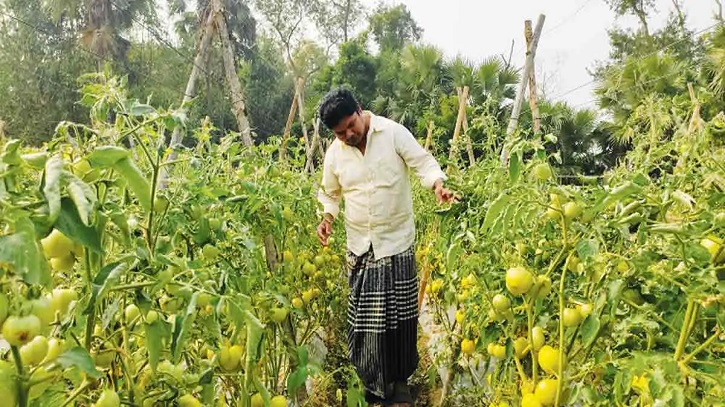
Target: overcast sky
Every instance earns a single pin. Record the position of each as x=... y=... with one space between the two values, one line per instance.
x=574 y=35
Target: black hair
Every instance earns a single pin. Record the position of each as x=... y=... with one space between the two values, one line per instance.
x=336 y=105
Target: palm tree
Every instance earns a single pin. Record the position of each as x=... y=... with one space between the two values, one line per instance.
x=494 y=87
x=104 y=22
x=421 y=79
x=584 y=143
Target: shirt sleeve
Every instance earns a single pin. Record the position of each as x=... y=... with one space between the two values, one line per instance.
x=416 y=157
x=329 y=193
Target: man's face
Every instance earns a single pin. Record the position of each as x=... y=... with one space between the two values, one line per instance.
x=351 y=129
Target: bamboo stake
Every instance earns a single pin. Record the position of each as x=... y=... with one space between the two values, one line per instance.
x=199 y=61
x=235 y=87
x=469 y=145
x=522 y=88
x=459 y=123
x=310 y=165
x=288 y=127
x=301 y=109
x=533 y=98
x=429 y=137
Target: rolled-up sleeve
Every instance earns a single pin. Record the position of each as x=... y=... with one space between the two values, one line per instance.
x=416 y=157
x=329 y=193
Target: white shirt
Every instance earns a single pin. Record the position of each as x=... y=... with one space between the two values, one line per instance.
x=376 y=187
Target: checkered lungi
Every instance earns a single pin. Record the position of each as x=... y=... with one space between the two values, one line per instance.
x=382 y=320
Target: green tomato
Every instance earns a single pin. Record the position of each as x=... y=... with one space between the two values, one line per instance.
x=18 y=331
x=33 y=352
x=61 y=299
x=56 y=244
x=8 y=384
x=108 y=398
x=210 y=252
x=43 y=309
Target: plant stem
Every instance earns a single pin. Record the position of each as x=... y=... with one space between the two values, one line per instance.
x=22 y=388
x=560 y=381
x=534 y=364
x=76 y=393
x=702 y=347
x=684 y=331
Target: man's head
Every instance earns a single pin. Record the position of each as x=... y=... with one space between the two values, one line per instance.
x=342 y=114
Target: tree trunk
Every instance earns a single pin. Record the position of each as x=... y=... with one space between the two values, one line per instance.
x=533 y=99
x=514 y=120
x=288 y=127
x=680 y=14
x=230 y=69
x=199 y=62
x=719 y=14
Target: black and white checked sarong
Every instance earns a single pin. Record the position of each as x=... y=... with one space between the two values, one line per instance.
x=382 y=319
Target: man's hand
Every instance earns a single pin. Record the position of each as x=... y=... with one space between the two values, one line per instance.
x=443 y=195
x=324 y=231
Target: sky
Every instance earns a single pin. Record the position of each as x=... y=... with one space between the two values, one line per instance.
x=574 y=34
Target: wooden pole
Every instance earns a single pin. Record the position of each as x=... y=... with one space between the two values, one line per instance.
x=301 y=109
x=533 y=98
x=310 y=165
x=429 y=137
x=522 y=89
x=459 y=123
x=235 y=87
x=199 y=61
x=469 y=145
x=288 y=127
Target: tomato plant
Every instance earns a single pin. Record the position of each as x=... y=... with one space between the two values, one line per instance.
x=606 y=293
x=130 y=280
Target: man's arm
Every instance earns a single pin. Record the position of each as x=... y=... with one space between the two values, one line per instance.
x=422 y=162
x=329 y=196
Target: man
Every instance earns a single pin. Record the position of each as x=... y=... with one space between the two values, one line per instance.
x=367 y=166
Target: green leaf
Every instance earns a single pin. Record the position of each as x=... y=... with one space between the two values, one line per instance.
x=155 y=335
x=36 y=160
x=587 y=249
x=136 y=180
x=23 y=253
x=206 y=376
x=589 y=330
x=110 y=313
x=51 y=189
x=182 y=328
x=255 y=334
x=11 y=153
x=107 y=277
x=80 y=358
x=614 y=292
x=296 y=379
x=82 y=195
x=70 y=223
x=514 y=167
x=355 y=397
x=493 y=211
x=141 y=109
x=107 y=156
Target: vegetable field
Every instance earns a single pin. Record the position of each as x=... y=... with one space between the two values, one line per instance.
x=154 y=256
x=214 y=290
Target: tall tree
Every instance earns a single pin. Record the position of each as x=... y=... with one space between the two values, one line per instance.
x=638 y=8
x=39 y=67
x=393 y=27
